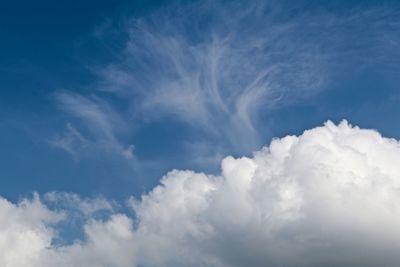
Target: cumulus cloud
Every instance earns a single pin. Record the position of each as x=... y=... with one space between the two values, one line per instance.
x=27 y=234
x=325 y=198
x=328 y=197
x=24 y=232
x=107 y=243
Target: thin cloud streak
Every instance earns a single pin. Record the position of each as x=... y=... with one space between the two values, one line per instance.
x=101 y=122
x=221 y=68
x=216 y=68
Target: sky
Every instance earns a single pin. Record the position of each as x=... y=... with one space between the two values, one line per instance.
x=199 y=133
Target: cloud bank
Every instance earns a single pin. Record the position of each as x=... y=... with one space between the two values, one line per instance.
x=329 y=197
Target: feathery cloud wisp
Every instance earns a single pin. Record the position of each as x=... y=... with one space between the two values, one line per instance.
x=101 y=122
x=220 y=68
x=216 y=68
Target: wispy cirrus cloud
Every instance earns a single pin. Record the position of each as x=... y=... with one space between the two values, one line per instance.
x=71 y=140
x=216 y=67
x=100 y=122
x=220 y=68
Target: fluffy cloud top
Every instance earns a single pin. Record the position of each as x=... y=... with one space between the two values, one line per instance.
x=329 y=197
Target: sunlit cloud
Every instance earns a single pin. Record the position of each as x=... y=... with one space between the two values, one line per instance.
x=327 y=197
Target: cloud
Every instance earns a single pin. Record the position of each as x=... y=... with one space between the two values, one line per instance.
x=129 y=152
x=216 y=67
x=70 y=141
x=108 y=243
x=85 y=206
x=328 y=197
x=101 y=122
x=27 y=237
x=325 y=198
x=221 y=70
x=24 y=232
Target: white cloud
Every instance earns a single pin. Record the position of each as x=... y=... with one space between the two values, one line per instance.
x=108 y=243
x=101 y=122
x=24 y=233
x=216 y=67
x=129 y=152
x=70 y=141
x=27 y=234
x=328 y=197
x=220 y=68
x=83 y=205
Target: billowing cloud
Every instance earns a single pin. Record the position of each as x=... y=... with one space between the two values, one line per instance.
x=27 y=235
x=24 y=231
x=328 y=197
x=325 y=198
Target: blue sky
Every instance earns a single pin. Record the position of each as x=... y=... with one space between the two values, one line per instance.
x=199 y=133
x=344 y=58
